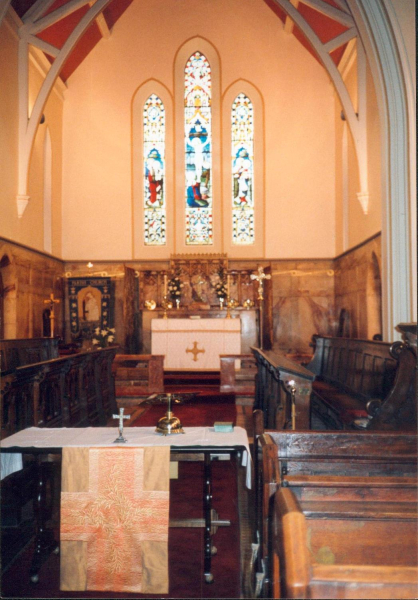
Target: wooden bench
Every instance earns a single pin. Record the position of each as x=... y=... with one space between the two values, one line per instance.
x=19 y=352
x=238 y=373
x=330 y=465
x=282 y=386
x=342 y=555
x=361 y=379
x=71 y=391
x=137 y=375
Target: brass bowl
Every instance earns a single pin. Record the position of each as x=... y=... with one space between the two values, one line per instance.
x=150 y=304
x=169 y=424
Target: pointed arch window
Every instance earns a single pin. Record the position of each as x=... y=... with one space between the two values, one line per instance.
x=198 y=150
x=242 y=137
x=154 y=172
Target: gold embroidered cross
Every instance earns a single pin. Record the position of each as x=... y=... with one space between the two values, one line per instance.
x=195 y=351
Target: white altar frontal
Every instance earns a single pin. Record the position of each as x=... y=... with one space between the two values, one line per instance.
x=195 y=344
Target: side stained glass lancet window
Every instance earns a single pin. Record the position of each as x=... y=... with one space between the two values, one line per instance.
x=154 y=172
x=198 y=150
x=242 y=170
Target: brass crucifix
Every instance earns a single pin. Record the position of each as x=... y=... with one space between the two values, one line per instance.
x=260 y=278
x=51 y=301
x=195 y=351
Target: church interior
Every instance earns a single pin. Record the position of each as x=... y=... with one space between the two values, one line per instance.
x=208 y=299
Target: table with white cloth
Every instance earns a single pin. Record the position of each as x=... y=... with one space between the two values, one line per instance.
x=199 y=443
x=195 y=344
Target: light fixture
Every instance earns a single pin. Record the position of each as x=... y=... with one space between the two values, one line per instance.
x=89 y=265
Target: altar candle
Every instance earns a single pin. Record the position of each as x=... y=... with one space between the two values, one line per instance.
x=227 y=285
x=165 y=284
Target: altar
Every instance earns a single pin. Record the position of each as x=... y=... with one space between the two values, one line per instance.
x=195 y=343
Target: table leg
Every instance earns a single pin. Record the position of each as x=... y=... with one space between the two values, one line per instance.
x=44 y=539
x=207 y=509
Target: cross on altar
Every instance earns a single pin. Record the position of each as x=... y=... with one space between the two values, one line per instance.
x=51 y=301
x=121 y=417
x=195 y=351
x=260 y=278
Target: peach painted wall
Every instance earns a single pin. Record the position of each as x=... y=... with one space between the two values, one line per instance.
x=299 y=182
x=359 y=226
x=29 y=229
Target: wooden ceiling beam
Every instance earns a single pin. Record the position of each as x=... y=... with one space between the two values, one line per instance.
x=102 y=24
x=340 y=40
x=3 y=9
x=42 y=45
x=329 y=11
x=55 y=16
x=288 y=25
x=36 y=10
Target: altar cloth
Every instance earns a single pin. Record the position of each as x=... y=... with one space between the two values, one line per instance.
x=60 y=437
x=195 y=344
x=114 y=519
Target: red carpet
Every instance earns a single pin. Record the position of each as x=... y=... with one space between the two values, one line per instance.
x=201 y=411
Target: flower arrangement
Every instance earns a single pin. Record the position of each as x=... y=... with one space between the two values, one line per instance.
x=175 y=285
x=103 y=337
x=220 y=287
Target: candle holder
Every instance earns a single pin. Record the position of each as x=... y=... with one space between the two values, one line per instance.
x=177 y=303
x=166 y=305
x=228 y=308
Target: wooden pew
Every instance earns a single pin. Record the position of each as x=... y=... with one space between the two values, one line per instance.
x=137 y=375
x=238 y=373
x=280 y=385
x=71 y=391
x=361 y=379
x=342 y=555
x=19 y=352
x=337 y=466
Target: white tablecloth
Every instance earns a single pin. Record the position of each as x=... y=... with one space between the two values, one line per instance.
x=195 y=344
x=37 y=437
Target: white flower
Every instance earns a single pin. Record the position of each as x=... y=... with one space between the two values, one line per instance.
x=97 y=330
x=111 y=338
x=103 y=332
x=112 y=329
x=95 y=342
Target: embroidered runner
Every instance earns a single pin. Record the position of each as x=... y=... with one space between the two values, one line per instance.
x=114 y=519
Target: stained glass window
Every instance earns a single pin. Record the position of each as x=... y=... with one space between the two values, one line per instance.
x=154 y=171
x=198 y=150
x=242 y=170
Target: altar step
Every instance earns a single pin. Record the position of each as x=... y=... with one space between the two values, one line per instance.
x=206 y=382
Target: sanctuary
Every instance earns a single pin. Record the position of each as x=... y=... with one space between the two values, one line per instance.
x=208 y=208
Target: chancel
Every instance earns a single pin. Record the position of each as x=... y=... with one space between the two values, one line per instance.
x=220 y=212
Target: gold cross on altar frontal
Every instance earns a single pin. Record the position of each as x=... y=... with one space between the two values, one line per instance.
x=51 y=301
x=195 y=351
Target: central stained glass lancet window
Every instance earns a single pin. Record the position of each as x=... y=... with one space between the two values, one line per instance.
x=242 y=170
x=154 y=172
x=198 y=150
